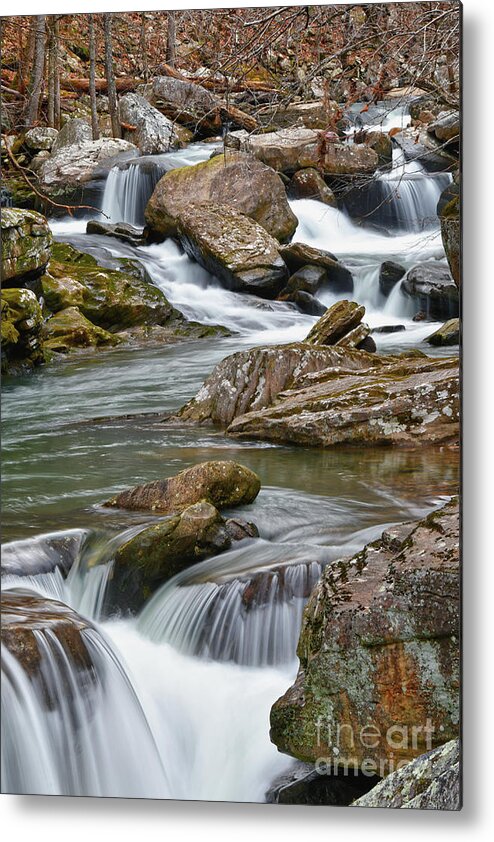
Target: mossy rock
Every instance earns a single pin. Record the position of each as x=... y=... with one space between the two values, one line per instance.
x=70 y=329
x=21 y=324
x=26 y=245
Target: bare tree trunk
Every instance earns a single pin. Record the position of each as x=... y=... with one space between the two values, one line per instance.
x=170 y=41
x=110 y=76
x=53 y=73
x=143 y=48
x=56 y=58
x=92 y=79
x=36 y=81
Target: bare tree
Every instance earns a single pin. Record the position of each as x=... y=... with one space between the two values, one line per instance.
x=92 y=79
x=170 y=41
x=110 y=76
x=36 y=81
x=143 y=47
x=53 y=72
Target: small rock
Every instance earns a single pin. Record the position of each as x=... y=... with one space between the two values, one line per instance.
x=389 y=275
x=336 y=323
x=448 y=334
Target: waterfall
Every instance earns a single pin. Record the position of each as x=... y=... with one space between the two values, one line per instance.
x=91 y=739
x=129 y=186
x=252 y=620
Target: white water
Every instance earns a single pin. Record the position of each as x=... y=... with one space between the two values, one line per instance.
x=185 y=712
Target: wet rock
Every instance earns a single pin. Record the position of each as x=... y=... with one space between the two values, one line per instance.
x=40 y=138
x=358 y=338
x=234 y=248
x=304 y=784
x=446 y=127
x=309 y=184
x=449 y=214
x=430 y=782
x=433 y=289
x=21 y=325
x=289 y=150
x=307 y=279
x=389 y=275
x=298 y=255
x=69 y=329
x=379 y=673
x=111 y=299
x=120 y=230
x=418 y=145
x=447 y=334
x=382 y=144
x=43 y=553
x=305 y=302
x=388 y=329
x=153 y=133
x=336 y=323
x=233 y=180
x=412 y=402
x=222 y=484
x=24 y=617
x=252 y=380
x=159 y=552
x=26 y=245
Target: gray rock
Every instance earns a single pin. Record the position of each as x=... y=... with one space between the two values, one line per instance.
x=154 y=133
x=74 y=133
x=185 y=102
x=389 y=275
x=79 y=163
x=433 y=289
x=446 y=127
x=40 y=138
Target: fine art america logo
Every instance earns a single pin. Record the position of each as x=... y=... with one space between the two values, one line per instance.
x=348 y=746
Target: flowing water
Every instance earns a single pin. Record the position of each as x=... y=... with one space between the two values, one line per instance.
x=179 y=701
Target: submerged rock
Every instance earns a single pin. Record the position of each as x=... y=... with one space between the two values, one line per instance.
x=159 y=552
x=433 y=289
x=304 y=784
x=389 y=275
x=234 y=248
x=152 y=133
x=120 y=230
x=222 y=484
x=26 y=245
x=410 y=401
x=379 y=654
x=336 y=323
x=431 y=782
x=21 y=325
x=232 y=180
x=447 y=334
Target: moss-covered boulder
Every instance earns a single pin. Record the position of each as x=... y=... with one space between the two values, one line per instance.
x=233 y=247
x=69 y=329
x=162 y=550
x=336 y=323
x=26 y=245
x=447 y=334
x=110 y=298
x=21 y=324
x=379 y=677
x=234 y=180
x=222 y=484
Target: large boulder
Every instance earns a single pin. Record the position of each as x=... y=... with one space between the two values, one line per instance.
x=430 y=782
x=379 y=677
x=185 y=102
x=417 y=145
x=26 y=245
x=75 y=132
x=336 y=323
x=433 y=290
x=222 y=484
x=312 y=115
x=298 y=255
x=162 y=550
x=151 y=131
x=309 y=184
x=252 y=380
x=111 y=299
x=40 y=138
x=21 y=325
x=233 y=247
x=69 y=329
x=234 y=180
x=410 y=401
x=446 y=126
x=289 y=150
x=447 y=334
x=73 y=166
